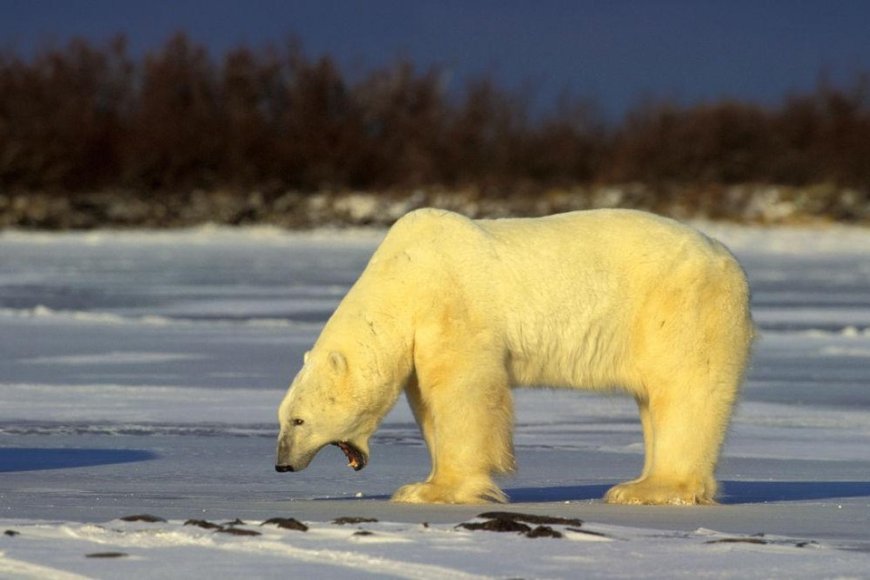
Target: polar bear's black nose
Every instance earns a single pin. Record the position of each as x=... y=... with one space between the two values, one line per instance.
x=283 y=468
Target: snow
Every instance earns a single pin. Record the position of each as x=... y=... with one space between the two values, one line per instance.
x=397 y=550
x=140 y=373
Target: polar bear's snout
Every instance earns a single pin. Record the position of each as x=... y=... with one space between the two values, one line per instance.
x=288 y=458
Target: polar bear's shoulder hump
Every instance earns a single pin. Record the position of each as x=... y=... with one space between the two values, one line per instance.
x=433 y=223
x=429 y=216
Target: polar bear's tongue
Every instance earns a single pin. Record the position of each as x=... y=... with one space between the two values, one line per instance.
x=355 y=458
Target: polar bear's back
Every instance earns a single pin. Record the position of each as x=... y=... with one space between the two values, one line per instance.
x=619 y=229
x=563 y=247
x=569 y=293
x=612 y=234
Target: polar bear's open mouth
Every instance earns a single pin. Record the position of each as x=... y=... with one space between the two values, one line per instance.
x=355 y=458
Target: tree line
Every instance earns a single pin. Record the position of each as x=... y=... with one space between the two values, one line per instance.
x=84 y=118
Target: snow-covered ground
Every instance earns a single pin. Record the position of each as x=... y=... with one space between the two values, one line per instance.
x=140 y=374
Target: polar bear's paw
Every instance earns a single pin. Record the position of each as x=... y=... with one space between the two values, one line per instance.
x=466 y=492
x=657 y=492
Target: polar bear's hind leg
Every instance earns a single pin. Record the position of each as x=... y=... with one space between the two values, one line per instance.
x=687 y=434
x=693 y=352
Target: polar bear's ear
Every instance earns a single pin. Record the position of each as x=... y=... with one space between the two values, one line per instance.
x=305 y=357
x=337 y=362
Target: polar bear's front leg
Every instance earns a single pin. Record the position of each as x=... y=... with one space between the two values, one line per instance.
x=465 y=491
x=466 y=417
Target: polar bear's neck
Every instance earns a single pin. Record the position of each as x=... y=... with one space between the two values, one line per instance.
x=374 y=335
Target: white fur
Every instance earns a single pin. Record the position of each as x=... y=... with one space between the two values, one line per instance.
x=455 y=312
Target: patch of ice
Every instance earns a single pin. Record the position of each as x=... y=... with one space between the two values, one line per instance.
x=44 y=312
x=112 y=358
x=846 y=351
x=92 y=317
x=207 y=234
x=91 y=404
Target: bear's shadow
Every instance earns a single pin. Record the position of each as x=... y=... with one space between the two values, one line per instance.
x=731 y=492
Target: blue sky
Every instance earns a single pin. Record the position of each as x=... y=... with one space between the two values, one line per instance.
x=617 y=51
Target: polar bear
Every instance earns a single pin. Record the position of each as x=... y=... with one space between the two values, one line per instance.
x=455 y=312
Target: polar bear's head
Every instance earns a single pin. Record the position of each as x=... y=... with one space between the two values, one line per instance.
x=329 y=402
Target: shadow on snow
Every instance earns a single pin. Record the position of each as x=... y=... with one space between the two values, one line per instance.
x=731 y=493
x=737 y=492
x=31 y=459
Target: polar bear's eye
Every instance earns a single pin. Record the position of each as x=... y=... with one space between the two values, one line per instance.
x=298 y=421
